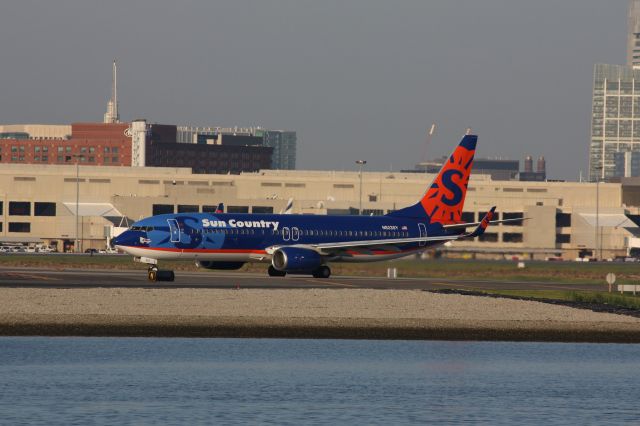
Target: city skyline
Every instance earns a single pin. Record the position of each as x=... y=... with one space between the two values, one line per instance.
x=350 y=78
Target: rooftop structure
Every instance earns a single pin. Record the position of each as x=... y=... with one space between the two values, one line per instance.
x=112 y=115
x=633 y=34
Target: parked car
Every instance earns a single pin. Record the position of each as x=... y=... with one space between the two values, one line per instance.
x=91 y=251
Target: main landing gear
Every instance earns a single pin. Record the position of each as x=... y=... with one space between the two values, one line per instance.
x=323 y=271
x=154 y=274
x=273 y=272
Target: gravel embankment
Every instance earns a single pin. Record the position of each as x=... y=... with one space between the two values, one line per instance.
x=348 y=313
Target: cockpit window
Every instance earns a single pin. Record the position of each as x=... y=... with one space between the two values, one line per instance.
x=142 y=228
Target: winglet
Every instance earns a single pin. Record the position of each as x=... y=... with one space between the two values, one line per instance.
x=484 y=223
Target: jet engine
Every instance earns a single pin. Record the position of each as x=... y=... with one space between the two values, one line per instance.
x=227 y=266
x=296 y=259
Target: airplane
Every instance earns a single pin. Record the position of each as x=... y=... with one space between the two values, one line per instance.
x=307 y=244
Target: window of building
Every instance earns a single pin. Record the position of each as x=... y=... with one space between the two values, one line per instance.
x=14 y=148
x=187 y=208
x=19 y=208
x=60 y=149
x=92 y=149
x=107 y=159
x=468 y=217
x=67 y=149
x=373 y=198
x=114 y=150
x=92 y=159
x=44 y=209
x=45 y=158
x=512 y=237
x=262 y=209
x=107 y=149
x=1 y=207
x=372 y=212
x=60 y=159
x=489 y=237
x=563 y=238
x=209 y=209
x=162 y=209
x=563 y=219
x=114 y=159
x=238 y=209
x=512 y=215
x=36 y=149
x=45 y=149
x=19 y=227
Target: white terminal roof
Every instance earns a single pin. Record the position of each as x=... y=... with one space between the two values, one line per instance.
x=93 y=209
x=615 y=220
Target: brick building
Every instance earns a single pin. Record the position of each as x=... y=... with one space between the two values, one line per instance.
x=91 y=144
x=112 y=144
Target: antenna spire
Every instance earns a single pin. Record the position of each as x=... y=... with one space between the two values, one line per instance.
x=112 y=115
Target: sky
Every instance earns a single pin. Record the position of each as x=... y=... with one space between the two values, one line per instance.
x=356 y=79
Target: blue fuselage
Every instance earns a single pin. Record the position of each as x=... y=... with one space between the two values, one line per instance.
x=248 y=237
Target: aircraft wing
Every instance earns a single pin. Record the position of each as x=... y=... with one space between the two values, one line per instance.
x=470 y=224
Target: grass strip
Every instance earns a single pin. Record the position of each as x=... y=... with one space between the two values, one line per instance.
x=556 y=272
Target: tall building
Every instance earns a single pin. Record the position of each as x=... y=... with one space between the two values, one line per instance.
x=633 y=34
x=615 y=119
x=284 y=148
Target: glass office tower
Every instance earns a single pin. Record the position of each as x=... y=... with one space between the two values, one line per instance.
x=615 y=119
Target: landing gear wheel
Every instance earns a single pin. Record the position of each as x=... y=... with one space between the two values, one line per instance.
x=273 y=272
x=156 y=274
x=322 y=272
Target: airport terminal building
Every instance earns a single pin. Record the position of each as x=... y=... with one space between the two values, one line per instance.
x=55 y=204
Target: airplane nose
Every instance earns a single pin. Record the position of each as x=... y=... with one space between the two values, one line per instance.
x=127 y=238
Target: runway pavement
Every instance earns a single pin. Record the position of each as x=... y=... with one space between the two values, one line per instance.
x=86 y=278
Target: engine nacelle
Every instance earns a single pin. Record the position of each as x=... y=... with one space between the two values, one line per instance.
x=296 y=259
x=227 y=266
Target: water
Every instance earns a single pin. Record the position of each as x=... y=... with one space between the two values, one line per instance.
x=140 y=381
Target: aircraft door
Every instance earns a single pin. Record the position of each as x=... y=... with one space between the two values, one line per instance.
x=295 y=234
x=175 y=230
x=423 y=234
x=286 y=234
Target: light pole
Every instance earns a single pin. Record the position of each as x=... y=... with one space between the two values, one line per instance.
x=360 y=163
x=76 y=248
x=597 y=248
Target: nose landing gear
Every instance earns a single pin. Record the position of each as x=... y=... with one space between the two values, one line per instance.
x=154 y=274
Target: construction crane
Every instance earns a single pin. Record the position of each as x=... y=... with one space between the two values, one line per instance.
x=432 y=130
